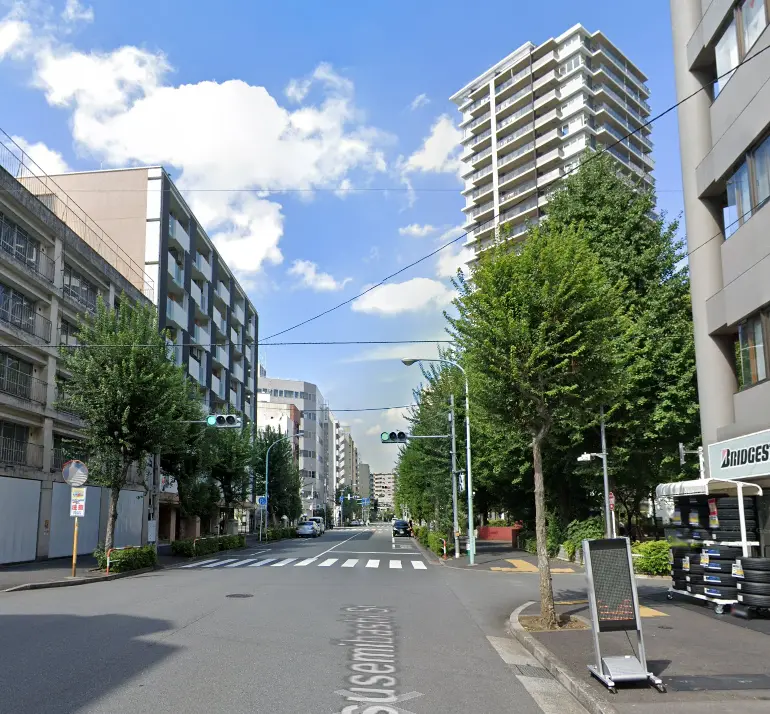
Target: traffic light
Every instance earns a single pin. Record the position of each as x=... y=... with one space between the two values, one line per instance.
x=393 y=437
x=223 y=421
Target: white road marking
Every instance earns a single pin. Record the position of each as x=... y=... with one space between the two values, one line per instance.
x=240 y=563
x=220 y=562
x=199 y=563
x=327 y=562
x=262 y=562
x=307 y=561
x=418 y=565
x=395 y=564
x=281 y=563
x=338 y=545
x=351 y=563
x=373 y=564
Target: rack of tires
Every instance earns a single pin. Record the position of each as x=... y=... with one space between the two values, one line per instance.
x=753 y=582
x=707 y=549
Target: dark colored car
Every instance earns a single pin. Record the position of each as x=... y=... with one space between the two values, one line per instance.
x=401 y=528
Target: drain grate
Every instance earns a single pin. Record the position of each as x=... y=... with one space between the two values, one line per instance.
x=239 y=595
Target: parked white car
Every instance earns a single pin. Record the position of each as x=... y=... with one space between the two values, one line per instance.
x=320 y=521
x=308 y=529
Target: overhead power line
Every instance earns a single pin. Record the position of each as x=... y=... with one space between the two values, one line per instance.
x=593 y=157
x=259 y=344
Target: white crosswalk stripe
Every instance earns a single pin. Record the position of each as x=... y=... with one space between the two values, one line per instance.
x=316 y=561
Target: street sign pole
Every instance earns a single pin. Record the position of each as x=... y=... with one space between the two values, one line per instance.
x=75 y=549
x=75 y=473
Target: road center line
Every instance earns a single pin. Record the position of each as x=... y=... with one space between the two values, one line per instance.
x=338 y=545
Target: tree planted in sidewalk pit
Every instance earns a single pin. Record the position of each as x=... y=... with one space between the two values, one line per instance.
x=284 y=480
x=132 y=398
x=538 y=330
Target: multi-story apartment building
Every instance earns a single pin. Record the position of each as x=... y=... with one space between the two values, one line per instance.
x=527 y=120
x=50 y=274
x=364 y=479
x=725 y=154
x=384 y=489
x=348 y=458
x=200 y=302
x=314 y=446
x=281 y=418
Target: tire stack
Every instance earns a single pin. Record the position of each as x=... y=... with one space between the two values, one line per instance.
x=679 y=575
x=718 y=579
x=727 y=527
x=754 y=586
x=693 y=518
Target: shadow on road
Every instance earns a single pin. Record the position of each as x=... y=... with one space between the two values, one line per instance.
x=63 y=663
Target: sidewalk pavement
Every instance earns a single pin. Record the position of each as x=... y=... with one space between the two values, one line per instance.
x=500 y=557
x=60 y=569
x=709 y=663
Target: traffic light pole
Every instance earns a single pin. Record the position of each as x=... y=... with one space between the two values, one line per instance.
x=453 y=468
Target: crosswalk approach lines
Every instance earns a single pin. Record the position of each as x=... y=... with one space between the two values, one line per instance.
x=372 y=563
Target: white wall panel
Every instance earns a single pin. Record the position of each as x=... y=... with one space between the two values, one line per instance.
x=19 y=511
x=128 y=530
x=63 y=525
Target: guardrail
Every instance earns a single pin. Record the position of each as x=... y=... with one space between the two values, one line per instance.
x=109 y=552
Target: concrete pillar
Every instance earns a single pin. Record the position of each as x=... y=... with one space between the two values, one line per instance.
x=58 y=252
x=44 y=519
x=47 y=446
x=191 y=527
x=714 y=355
x=172 y=524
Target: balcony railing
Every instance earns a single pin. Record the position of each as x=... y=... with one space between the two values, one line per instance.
x=621 y=100
x=478 y=120
x=513 y=98
x=508 y=82
x=178 y=233
x=484 y=226
x=516 y=172
x=627 y=73
x=24 y=252
x=176 y=270
x=26 y=319
x=478 y=103
x=22 y=385
x=515 y=135
x=482 y=155
x=515 y=154
x=481 y=173
x=203 y=265
x=481 y=209
x=83 y=298
x=62 y=403
x=505 y=195
x=479 y=138
x=518 y=210
x=21 y=453
x=513 y=117
x=479 y=191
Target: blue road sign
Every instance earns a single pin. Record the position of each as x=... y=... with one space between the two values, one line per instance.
x=262 y=500
x=342 y=498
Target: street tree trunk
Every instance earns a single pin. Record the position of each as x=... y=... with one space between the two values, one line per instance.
x=112 y=509
x=547 y=609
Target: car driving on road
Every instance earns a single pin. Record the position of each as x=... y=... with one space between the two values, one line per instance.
x=308 y=529
x=320 y=522
x=401 y=528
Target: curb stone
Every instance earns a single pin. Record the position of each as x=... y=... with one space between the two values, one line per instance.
x=79 y=581
x=577 y=688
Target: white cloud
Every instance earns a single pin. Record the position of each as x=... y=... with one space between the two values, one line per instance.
x=415 y=295
x=420 y=100
x=311 y=278
x=375 y=430
x=393 y=353
x=47 y=159
x=297 y=89
x=123 y=111
x=440 y=151
x=453 y=257
x=344 y=188
x=75 y=12
x=416 y=230
x=374 y=255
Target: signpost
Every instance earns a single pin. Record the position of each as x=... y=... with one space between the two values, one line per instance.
x=75 y=473
x=262 y=503
x=614 y=605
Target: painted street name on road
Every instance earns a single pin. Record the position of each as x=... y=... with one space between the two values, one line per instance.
x=373 y=659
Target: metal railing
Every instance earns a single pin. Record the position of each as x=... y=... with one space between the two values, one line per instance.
x=603 y=86
x=29 y=175
x=87 y=301
x=481 y=209
x=22 y=385
x=478 y=120
x=479 y=191
x=518 y=210
x=515 y=154
x=479 y=138
x=516 y=172
x=505 y=195
x=513 y=98
x=627 y=73
x=481 y=155
x=516 y=115
x=62 y=404
x=508 y=82
x=21 y=453
x=26 y=319
x=478 y=103
x=481 y=173
x=515 y=135
x=32 y=259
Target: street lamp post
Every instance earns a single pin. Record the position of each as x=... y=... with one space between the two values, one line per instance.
x=609 y=525
x=267 y=464
x=471 y=539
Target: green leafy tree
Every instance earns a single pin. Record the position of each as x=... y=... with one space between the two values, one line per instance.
x=538 y=330
x=285 y=483
x=230 y=457
x=132 y=398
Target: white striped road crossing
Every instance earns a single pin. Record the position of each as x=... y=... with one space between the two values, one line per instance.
x=395 y=564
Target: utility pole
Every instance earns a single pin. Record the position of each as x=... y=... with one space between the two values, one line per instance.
x=608 y=515
x=455 y=522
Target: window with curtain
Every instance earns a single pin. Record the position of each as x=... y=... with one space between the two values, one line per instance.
x=752 y=351
x=727 y=56
x=738 y=209
x=753 y=21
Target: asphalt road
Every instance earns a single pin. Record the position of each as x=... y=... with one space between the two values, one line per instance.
x=351 y=622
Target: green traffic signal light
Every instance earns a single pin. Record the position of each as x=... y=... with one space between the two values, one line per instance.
x=384 y=437
x=211 y=420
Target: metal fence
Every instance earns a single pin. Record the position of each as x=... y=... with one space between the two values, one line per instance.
x=22 y=385
x=15 y=242
x=21 y=453
x=21 y=166
x=25 y=318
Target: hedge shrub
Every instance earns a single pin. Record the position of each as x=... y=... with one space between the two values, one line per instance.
x=577 y=531
x=653 y=557
x=207 y=545
x=279 y=533
x=437 y=546
x=122 y=561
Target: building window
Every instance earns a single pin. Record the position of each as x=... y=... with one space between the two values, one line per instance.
x=762 y=173
x=726 y=56
x=751 y=345
x=738 y=209
x=753 y=21
x=78 y=288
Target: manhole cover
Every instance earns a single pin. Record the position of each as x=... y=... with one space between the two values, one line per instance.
x=239 y=595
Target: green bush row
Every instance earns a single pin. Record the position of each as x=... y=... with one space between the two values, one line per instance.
x=204 y=546
x=437 y=546
x=279 y=533
x=653 y=557
x=122 y=561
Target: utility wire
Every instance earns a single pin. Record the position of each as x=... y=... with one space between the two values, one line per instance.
x=363 y=409
x=259 y=344
x=593 y=157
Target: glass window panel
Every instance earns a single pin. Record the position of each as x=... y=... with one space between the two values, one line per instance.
x=762 y=172
x=753 y=21
x=752 y=351
x=726 y=56
x=738 y=209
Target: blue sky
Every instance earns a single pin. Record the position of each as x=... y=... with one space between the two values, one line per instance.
x=313 y=96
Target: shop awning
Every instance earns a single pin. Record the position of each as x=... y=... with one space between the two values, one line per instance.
x=705 y=486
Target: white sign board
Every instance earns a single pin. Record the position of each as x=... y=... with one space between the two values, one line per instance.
x=742 y=457
x=77 y=502
x=152 y=531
